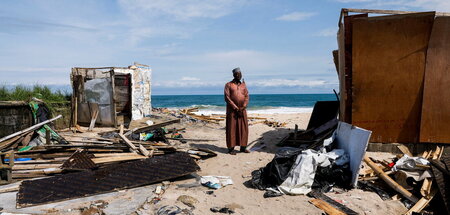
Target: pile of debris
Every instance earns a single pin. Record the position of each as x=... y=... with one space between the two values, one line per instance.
x=418 y=180
x=50 y=166
x=328 y=155
x=192 y=115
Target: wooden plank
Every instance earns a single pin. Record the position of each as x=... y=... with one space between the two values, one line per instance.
x=10 y=188
x=389 y=181
x=404 y=150
x=121 y=129
x=332 y=202
x=129 y=144
x=114 y=154
x=32 y=128
x=117 y=158
x=93 y=119
x=354 y=10
x=34 y=166
x=151 y=127
x=143 y=150
x=327 y=208
x=387 y=77
x=436 y=105
x=425 y=190
x=422 y=203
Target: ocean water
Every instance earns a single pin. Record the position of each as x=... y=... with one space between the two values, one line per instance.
x=259 y=103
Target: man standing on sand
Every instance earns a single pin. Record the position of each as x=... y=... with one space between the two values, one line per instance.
x=236 y=96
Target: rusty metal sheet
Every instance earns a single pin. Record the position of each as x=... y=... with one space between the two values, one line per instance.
x=111 y=178
x=436 y=104
x=79 y=160
x=388 y=69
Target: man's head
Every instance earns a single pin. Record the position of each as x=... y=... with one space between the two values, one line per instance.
x=237 y=73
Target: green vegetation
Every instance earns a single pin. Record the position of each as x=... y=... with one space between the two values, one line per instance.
x=23 y=93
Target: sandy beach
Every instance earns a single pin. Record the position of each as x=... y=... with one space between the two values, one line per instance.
x=242 y=199
x=240 y=166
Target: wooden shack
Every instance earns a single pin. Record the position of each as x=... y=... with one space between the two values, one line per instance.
x=394 y=74
x=117 y=94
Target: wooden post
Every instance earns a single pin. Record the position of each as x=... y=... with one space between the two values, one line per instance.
x=47 y=137
x=389 y=180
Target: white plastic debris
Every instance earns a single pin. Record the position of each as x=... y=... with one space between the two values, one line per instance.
x=216 y=182
x=149 y=122
x=408 y=163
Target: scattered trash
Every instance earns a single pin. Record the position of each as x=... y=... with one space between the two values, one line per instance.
x=187 y=200
x=272 y=193
x=172 y=210
x=224 y=210
x=216 y=182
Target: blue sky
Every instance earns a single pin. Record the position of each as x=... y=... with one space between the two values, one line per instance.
x=191 y=45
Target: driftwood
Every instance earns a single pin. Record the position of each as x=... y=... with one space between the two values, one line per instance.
x=34 y=127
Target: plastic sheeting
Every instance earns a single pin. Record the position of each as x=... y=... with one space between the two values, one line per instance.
x=408 y=165
x=301 y=176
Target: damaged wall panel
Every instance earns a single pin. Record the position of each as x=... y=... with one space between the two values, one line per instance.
x=345 y=42
x=436 y=103
x=388 y=68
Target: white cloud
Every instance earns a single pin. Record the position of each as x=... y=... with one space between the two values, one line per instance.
x=296 y=16
x=181 y=9
x=189 y=79
x=287 y=83
x=327 y=32
x=172 y=18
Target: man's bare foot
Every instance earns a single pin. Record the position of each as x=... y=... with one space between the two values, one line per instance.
x=232 y=152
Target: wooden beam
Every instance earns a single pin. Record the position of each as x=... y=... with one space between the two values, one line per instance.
x=404 y=150
x=389 y=181
x=117 y=158
x=425 y=190
x=93 y=119
x=394 y=12
x=10 y=188
x=127 y=141
x=143 y=150
x=34 y=166
x=346 y=11
x=327 y=208
x=422 y=203
x=151 y=127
